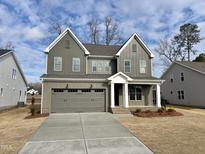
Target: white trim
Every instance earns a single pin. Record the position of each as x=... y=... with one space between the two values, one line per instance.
x=99 y=56
x=42 y=97
x=125 y=95
x=61 y=36
x=6 y=53
x=46 y=64
x=126 y=60
x=158 y=95
x=130 y=39
x=72 y=79
x=112 y=87
x=54 y=64
x=120 y=73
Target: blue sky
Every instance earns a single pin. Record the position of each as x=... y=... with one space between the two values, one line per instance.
x=25 y=23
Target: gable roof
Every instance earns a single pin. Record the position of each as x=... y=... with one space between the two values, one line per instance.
x=118 y=74
x=105 y=50
x=195 y=66
x=67 y=30
x=4 y=52
x=136 y=36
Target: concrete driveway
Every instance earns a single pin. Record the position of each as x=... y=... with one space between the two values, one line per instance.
x=83 y=133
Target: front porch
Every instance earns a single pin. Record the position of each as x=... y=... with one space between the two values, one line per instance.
x=129 y=93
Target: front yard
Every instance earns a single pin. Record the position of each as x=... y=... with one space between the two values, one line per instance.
x=15 y=130
x=170 y=135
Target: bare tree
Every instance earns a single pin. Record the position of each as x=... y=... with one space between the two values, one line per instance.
x=56 y=27
x=94 y=30
x=167 y=52
x=111 y=32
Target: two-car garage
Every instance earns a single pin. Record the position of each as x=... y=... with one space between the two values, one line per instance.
x=77 y=100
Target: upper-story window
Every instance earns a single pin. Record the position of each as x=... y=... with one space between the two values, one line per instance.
x=76 y=65
x=100 y=66
x=67 y=43
x=182 y=76
x=143 y=66
x=181 y=94
x=127 y=66
x=13 y=73
x=134 y=47
x=57 y=64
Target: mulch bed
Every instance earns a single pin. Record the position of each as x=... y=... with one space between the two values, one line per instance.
x=37 y=116
x=157 y=114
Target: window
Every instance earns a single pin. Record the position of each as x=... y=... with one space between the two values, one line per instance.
x=182 y=76
x=19 y=94
x=171 y=78
x=136 y=93
x=134 y=47
x=143 y=66
x=13 y=74
x=57 y=63
x=58 y=90
x=127 y=66
x=1 y=92
x=72 y=90
x=86 y=90
x=100 y=66
x=67 y=44
x=94 y=66
x=171 y=92
x=98 y=90
x=181 y=95
x=76 y=65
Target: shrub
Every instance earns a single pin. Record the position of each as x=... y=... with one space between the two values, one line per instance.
x=160 y=110
x=138 y=110
x=171 y=110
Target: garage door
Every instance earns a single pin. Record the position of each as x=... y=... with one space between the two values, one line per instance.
x=77 y=100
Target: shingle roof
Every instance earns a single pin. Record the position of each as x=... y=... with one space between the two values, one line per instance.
x=199 y=66
x=4 y=51
x=104 y=50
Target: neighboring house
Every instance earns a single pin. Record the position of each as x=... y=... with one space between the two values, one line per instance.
x=185 y=84
x=13 y=84
x=87 y=78
x=32 y=92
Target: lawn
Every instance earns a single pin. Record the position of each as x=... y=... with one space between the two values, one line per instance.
x=170 y=135
x=15 y=130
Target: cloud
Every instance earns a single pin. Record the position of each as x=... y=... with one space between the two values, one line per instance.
x=26 y=24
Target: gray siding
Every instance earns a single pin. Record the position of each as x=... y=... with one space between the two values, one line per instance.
x=11 y=87
x=135 y=58
x=193 y=87
x=67 y=54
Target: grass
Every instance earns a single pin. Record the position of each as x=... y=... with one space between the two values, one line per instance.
x=15 y=129
x=170 y=135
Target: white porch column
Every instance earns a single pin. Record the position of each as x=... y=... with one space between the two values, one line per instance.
x=125 y=95
x=112 y=95
x=158 y=97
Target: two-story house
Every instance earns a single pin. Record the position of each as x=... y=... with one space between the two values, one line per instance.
x=91 y=78
x=185 y=84
x=13 y=84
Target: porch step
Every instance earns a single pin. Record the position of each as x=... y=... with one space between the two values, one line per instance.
x=120 y=110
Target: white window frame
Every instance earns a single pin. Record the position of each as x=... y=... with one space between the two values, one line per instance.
x=73 y=64
x=102 y=67
x=182 y=76
x=2 y=92
x=143 y=67
x=13 y=76
x=55 y=62
x=127 y=60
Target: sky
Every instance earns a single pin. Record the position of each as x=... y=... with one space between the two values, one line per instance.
x=26 y=24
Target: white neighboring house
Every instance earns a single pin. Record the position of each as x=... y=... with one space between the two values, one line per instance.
x=13 y=85
x=32 y=92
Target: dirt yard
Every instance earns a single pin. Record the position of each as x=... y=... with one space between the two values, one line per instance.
x=170 y=135
x=15 y=130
